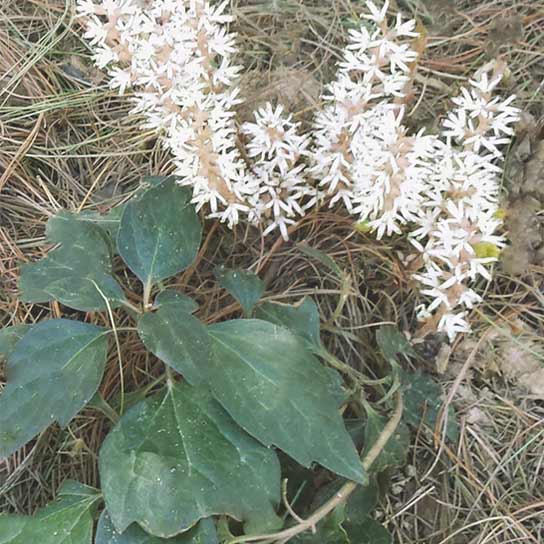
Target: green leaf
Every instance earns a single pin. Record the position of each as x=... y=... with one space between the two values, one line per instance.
x=177 y=457
x=349 y=523
x=68 y=520
x=392 y=343
x=203 y=533
x=77 y=489
x=178 y=339
x=9 y=336
x=320 y=256
x=109 y=223
x=160 y=232
x=329 y=531
x=280 y=393
x=394 y=452
x=52 y=373
x=155 y=181
x=301 y=319
x=170 y=296
x=423 y=401
x=78 y=273
x=362 y=502
x=366 y=531
x=246 y=287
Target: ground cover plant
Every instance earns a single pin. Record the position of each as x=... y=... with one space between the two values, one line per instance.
x=181 y=452
x=443 y=474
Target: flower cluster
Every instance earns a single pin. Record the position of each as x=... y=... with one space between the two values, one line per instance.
x=279 y=172
x=456 y=229
x=176 y=57
x=363 y=155
x=445 y=186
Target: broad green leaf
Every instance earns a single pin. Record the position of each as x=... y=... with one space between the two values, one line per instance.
x=328 y=531
x=363 y=531
x=177 y=457
x=363 y=501
x=78 y=273
x=9 y=336
x=301 y=319
x=423 y=402
x=392 y=343
x=52 y=373
x=68 y=520
x=178 y=339
x=155 y=181
x=281 y=394
x=246 y=287
x=108 y=222
x=203 y=533
x=170 y=296
x=77 y=489
x=394 y=452
x=160 y=232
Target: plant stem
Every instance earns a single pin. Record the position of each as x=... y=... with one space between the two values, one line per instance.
x=356 y=376
x=131 y=306
x=147 y=295
x=340 y=497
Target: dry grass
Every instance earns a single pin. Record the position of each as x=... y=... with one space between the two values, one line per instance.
x=67 y=141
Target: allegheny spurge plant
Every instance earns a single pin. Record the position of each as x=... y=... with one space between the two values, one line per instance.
x=242 y=403
x=202 y=446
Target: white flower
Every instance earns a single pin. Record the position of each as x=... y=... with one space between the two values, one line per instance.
x=281 y=190
x=453 y=323
x=376 y=15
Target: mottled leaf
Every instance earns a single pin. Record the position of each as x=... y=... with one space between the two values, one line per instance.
x=203 y=533
x=393 y=343
x=301 y=319
x=108 y=222
x=160 y=232
x=68 y=520
x=360 y=503
x=177 y=338
x=170 y=296
x=52 y=373
x=177 y=457
x=349 y=523
x=366 y=531
x=78 y=273
x=246 y=287
x=9 y=336
x=423 y=402
x=394 y=452
x=281 y=394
